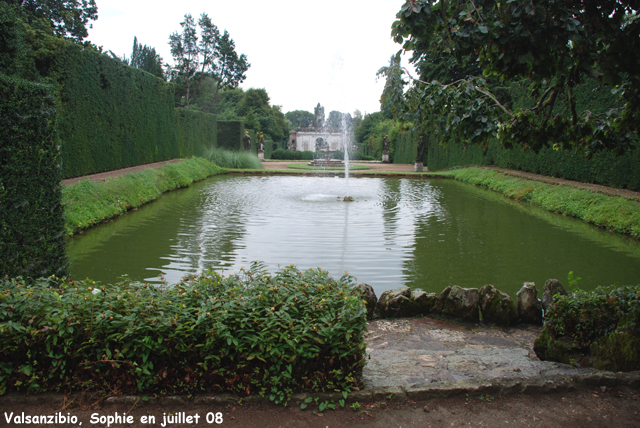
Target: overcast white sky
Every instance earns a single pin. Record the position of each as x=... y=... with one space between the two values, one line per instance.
x=302 y=52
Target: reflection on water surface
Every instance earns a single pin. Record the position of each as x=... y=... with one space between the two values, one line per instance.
x=426 y=233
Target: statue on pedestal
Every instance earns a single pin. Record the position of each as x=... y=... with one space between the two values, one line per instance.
x=261 y=142
x=247 y=141
x=385 y=149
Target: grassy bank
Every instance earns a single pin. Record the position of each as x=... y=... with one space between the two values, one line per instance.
x=87 y=203
x=610 y=212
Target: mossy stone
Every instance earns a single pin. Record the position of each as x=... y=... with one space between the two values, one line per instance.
x=497 y=307
x=551 y=288
x=616 y=352
x=439 y=305
x=369 y=296
x=462 y=303
x=396 y=303
x=561 y=350
x=423 y=302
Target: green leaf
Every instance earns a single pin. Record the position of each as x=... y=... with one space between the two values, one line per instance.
x=527 y=58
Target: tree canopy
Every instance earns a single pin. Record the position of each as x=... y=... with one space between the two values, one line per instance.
x=553 y=44
x=254 y=107
x=301 y=118
x=65 y=18
x=209 y=55
x=145 y=58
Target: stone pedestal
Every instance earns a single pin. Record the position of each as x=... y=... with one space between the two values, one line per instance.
x=261 y=155
x=418 y=167
x=385 y=158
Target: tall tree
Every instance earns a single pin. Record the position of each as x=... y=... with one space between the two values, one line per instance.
x=67 y=18
x=185 y=52
x=555 y=44
x=214 y=57
x=300 y=118
x=334 y=119
x=145 y=58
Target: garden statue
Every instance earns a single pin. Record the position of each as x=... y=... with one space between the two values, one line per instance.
x=247 y=141
x=260 y=146
x=419 y=166
x=261 y=142
x=385 y=149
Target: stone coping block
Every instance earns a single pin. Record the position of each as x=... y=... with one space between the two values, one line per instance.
x=415 y=392
x=389 y=393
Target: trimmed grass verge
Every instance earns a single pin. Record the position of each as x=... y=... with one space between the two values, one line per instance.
x=87 y=203
x=613 y=213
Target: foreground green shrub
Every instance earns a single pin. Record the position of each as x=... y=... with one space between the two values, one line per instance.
x=87 y=202
x=247 y=333
x=598 y=328
x=32 y=242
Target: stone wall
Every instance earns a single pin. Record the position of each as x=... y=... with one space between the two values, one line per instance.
x=466 y=304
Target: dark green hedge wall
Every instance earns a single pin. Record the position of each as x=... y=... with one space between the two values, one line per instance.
x=32 y=241
x=403 y=145
x=111 y=116
x=605 y=168
x=230 y=133
x=196 y=131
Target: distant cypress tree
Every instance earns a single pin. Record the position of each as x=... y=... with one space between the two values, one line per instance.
x=145 y=58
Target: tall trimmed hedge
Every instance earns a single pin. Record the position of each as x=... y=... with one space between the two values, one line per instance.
x=111 y=115
x=230 y=133
x=404 y=145
x=196 y=132
x=31 y=214
x=605 y=168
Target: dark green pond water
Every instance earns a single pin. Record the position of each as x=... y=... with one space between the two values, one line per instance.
x=427 y=233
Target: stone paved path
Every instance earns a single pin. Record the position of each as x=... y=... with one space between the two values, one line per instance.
x=424 y=351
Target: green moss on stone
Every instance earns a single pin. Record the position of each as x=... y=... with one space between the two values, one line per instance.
x=617 y=352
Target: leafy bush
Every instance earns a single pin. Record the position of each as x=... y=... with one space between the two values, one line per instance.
x=32 y=241
x=585 y=316
x=234 y=159
x=246 y=333
x=583 y=326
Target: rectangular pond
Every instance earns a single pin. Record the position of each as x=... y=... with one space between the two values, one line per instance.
x=427 y=233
